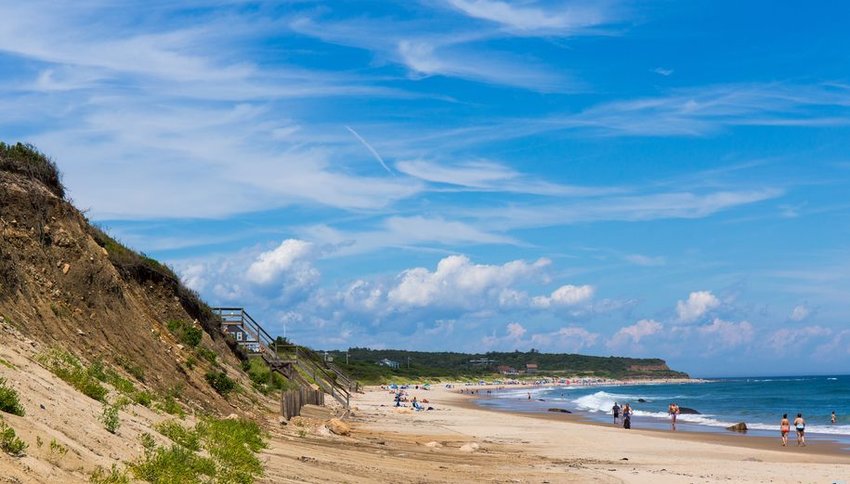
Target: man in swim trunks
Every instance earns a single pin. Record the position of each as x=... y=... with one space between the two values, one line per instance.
x=800 y=425
x=616 y=410
x=784 y=428
x=673 y=410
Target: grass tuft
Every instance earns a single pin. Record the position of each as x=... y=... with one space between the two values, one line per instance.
x=9 y=401
x=214 y=451
x=113 y=476
x=180 y=435
x=10 y=443
x=222 y=383
x=109 y=418
x=69 y=368
x=186 y=332
x=25 y=159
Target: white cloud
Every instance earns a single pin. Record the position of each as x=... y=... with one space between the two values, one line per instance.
x=568 y=295
x=490 y=176
x=194 y=276
x=396 y=231
x=635 y=208
x=425 y=57
x=799 y=313
x=433 y=48
x=362 y=297
x=457 y=282
x=784 y=340
x=698 y=304
x=634 y=334
x=291 y=256
x=645 y=260
x=515 y=331
x=570 y=339
x=722 y=335
x=661 y=71
x=526 y=17
x=704 y=110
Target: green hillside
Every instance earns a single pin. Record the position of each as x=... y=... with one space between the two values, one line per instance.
x=363 y=364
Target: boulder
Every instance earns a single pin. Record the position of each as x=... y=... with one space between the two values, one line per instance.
x=641 y=400
x=738 y=427
x=688 y=411
x=562 y=410
x=338 y=427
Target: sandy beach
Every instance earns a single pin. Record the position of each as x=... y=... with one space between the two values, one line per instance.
x=459 y=442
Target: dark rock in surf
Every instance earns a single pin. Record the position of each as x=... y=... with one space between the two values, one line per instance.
x=688 y=411
x=562 y=410
x=738 y=427
x=641 y=400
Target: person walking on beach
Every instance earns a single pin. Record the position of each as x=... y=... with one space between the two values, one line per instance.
x=800 y=425
x=627 y=416
x=673 y=410
x=616 y=410
x=784 y=428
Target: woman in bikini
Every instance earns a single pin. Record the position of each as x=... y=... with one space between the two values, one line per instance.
x=800 y=425
x=784 y=428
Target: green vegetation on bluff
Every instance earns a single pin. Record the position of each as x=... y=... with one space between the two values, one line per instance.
x=416 y=365
x=26 y=160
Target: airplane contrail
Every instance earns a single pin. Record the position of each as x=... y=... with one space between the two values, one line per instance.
x=371 y=150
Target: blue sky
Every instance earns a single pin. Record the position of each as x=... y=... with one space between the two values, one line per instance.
x=635 y=178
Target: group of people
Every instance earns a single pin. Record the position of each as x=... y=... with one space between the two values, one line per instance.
x=626 y=411
x=799 y=426
x=673 y=409
x=401 y=396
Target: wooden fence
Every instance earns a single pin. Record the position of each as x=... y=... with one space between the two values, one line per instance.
x=291 y=401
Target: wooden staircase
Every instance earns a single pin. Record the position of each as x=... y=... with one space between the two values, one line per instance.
x=298 y=363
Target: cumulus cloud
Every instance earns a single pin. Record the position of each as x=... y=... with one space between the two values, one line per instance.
x=721 y=334
x=568 y=295
x=632 y=335
x=569 y=338
x=799 y=313
x=289 y=263
x=251 y=277
x=785 y=339
x=457 y=282
x=516 y=331
x=698 y=304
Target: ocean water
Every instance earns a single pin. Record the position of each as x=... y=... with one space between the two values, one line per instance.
x=758 y=401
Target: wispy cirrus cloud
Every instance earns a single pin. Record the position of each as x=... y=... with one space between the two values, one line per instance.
x=449 y=48
x=403 y=231
x=697 y=111
x=540 y=18
x=654 y=206
x=491 y=176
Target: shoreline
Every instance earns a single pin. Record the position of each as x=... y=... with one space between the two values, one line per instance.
x=841 y=442
x=488 y=444
x=825 y=444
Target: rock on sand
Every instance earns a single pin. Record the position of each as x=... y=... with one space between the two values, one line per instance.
x=338 y=427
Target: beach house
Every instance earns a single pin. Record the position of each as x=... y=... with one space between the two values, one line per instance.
x=390 y=363
x=507 y=370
